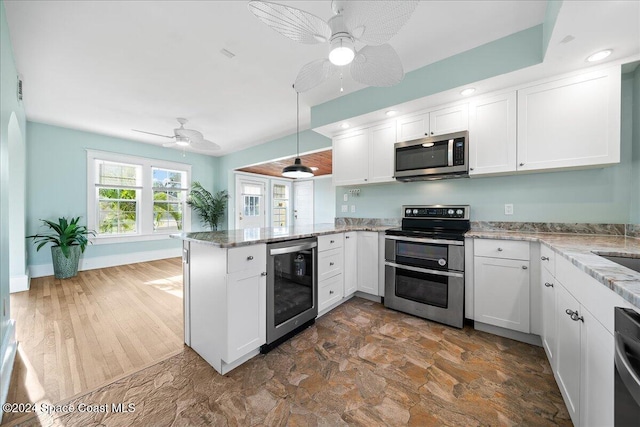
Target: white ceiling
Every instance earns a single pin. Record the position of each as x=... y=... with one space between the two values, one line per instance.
x=111 y=66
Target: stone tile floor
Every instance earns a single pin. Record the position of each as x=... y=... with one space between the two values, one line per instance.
x=361 y=364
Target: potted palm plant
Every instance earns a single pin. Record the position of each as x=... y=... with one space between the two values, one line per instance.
x=69 y=240
x=209 y=207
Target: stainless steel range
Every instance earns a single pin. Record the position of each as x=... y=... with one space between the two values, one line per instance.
x=424 y=263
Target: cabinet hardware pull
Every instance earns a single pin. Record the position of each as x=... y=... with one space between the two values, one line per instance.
x=346 y=237
x=330 y=292
x=264 y=273
x=426 y=133
x=332 y=241
x=574 y=315
x=330 y=263
x=431 y=133
x=524 y=267
x=548 y=285
x=470 y=169
x=250 y=257
x=544 y=258
x=499 y=249
x=521 y=164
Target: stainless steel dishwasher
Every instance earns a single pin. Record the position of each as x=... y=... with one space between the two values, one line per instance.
x=627 y=368
x=292 y=289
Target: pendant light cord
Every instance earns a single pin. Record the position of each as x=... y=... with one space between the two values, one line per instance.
x=297 y=124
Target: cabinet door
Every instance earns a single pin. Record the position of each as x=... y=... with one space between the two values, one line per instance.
x=412 y=127
x=548 y=315
x=597 y=375
x=351 y=158
x=367 y=260
x=502 y=293
x=381 y=152
x=447 y=120
x=246 y=313
x=492 y=135
x=570 y=122
x=350 y=262
x=568 y=352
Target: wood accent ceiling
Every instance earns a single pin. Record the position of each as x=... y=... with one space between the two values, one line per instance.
x=321 y=160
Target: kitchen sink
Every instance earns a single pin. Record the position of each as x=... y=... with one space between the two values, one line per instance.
x=629 y=262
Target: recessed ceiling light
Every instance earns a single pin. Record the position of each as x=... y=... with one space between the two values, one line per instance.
x=598 y=56
x=345 y=125
x=391 y=113
x=313 y=168
x=468 y=91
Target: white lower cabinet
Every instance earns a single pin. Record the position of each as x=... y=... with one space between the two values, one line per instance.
x=330 y=270
x=350 y=263
x=548 y=294
x=368 y=262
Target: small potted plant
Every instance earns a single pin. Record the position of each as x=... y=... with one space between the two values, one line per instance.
x=69 y=240
x=210 y=207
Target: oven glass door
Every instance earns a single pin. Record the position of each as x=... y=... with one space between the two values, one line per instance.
x=427 y=255
x=425 y=288
x=415 y=157
x=293 y=285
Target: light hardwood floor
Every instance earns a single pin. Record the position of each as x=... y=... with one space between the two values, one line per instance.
x=77 y=334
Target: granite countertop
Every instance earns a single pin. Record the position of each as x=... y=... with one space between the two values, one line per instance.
x=582 y=251
x=252 y=236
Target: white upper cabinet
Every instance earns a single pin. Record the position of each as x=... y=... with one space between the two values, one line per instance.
x=364 y=156
x=570 y=122
x=351 y=158
x=433 y=123
x=492 y=134
x=448 y=120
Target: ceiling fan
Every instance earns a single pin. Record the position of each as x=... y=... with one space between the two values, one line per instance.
x=184 y=138
x=371 y=23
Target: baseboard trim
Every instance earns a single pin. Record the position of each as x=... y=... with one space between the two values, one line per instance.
x=508 y=333
x=370 y=297
x=10 y=345
x=41 y=270
x=19 y=283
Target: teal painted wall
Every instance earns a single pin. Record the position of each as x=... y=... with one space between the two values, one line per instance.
x=279 y=148
x=550 y=18
x=501 y=56
x=9 y=107
x=594 y=195
x=57 y=181
x=324 y=194
x=634 y=215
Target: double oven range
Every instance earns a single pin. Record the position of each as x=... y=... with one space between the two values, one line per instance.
x=424 y=263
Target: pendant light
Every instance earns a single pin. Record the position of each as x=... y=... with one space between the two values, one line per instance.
x=297 y=169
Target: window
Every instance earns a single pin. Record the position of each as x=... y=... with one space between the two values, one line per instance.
x=134 y=198
x=280 y=204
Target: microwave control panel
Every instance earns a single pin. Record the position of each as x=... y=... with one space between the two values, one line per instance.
x=458 y=151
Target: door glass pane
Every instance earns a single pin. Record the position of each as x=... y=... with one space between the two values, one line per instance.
x=423 y=288
x=293 y=284
x=280 y=206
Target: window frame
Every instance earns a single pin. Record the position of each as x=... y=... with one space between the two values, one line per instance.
x=145 y=201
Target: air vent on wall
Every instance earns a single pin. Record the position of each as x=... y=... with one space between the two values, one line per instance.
x=19 y=89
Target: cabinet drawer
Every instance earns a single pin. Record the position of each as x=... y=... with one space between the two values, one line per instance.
x=506 y=249
x=329 y=291
x=548 y=259
x=247 y=257
x=330 y=263
x=330 y=241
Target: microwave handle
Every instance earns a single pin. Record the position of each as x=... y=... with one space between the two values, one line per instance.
x=450 y=153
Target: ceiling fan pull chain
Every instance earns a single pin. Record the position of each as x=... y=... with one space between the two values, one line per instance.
x=341 y=88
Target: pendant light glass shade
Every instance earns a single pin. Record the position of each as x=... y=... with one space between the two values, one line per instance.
x=297 y=169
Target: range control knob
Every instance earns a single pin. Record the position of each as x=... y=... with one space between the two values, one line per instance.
x=407 y=212
x=415 y=211
x=459 y=212
x=450 y=211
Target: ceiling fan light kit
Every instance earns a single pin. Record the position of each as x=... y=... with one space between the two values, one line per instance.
x=370 y=23
x=184 y=138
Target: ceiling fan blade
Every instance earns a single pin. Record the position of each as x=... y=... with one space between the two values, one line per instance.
x=189 y=133
x=377 y=66
x=314 y=73
x=293 y=23
x=375 y=22
x=204 y=145
x=151 y=133
x=170 y=144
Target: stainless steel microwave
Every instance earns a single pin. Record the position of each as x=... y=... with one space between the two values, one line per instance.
x=436 y=157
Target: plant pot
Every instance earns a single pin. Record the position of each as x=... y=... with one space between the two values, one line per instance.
x=64 y=267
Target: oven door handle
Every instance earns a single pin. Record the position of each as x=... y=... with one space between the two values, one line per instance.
x=425 y=240
x=294 y=248
x=629 y=376
x=424 y=270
